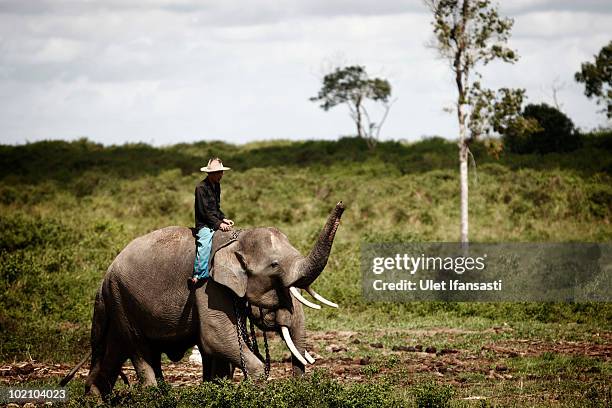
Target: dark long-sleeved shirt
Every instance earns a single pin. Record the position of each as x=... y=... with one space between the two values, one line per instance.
x=207 y=205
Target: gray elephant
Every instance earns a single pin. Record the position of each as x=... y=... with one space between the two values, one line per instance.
x=144 y=307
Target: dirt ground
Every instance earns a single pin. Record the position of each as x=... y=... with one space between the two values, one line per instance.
x=448 y=364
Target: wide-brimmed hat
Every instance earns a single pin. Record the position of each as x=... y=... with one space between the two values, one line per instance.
x=214 y=164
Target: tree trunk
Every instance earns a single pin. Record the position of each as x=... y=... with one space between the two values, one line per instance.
x=463 y=175
x=461 y=78
x=358 y=108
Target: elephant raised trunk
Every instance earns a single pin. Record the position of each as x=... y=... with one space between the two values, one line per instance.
x=307 y=269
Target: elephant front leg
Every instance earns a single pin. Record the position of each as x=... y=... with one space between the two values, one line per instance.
x=148 y=367
x=295 y=323
x=254 y=367
x=229 y=351
x=298 y=368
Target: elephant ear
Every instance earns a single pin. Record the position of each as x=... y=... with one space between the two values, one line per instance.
x=229 y=269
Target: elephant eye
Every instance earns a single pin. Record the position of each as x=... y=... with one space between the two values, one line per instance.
x=274 y=264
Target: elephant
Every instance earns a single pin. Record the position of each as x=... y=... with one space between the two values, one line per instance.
x=144 y=306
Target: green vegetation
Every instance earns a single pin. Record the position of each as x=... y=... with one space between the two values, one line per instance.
x=67 y=209
x=317 y=390
x=430 y=395
x=553 y=132
x=597 y=78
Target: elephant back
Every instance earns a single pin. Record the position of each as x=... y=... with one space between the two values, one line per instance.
x=150 y=276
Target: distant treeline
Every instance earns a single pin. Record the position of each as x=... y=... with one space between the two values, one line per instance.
x=63 y=161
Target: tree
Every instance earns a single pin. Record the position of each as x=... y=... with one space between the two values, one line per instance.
x=498 y=113
x=469 y=33
x=352 y=86
x=554 y=132
x=493 y=112
x=597 y=78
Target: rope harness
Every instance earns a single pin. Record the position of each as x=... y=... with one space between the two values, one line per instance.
x=241 y=310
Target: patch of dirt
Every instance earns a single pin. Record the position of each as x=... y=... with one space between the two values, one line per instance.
x=523 y=348
x=427 y=332
x=448 y=364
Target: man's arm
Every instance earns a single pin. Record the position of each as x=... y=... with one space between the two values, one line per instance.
x=221 y=213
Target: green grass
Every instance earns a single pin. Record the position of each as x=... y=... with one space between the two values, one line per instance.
x=316 y=390
x=67 y=209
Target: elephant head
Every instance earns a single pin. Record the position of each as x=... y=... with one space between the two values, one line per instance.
x=263 y=267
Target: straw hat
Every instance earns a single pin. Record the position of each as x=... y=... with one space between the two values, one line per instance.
x=214 y=164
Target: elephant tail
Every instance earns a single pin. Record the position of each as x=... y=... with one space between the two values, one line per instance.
x=71 y=374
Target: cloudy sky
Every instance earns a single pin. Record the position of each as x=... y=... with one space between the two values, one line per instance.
x=164 y=71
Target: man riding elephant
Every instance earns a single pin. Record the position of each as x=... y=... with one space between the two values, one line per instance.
x=208 y=215
x=143 y=307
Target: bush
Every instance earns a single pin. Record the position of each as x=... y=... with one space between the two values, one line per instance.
x=20 y=232
x=316 y=390
x=556 y=132
x=430 y=395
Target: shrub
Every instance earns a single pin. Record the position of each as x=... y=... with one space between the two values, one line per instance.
x=556 y=132
x=431 y=395
x=316 y=390
x=20 y=231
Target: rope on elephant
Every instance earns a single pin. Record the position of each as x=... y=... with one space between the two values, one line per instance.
x=239 y=324
x=241 y=311
x=255 y=348
x=265 y=337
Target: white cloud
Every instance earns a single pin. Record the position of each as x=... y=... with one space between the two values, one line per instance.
x=168 y=71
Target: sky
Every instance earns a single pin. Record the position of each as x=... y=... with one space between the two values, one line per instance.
x=171 y=71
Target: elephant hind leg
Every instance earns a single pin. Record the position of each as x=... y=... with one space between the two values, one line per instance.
x=157 y=368
x=226 y=370
x=103 y=375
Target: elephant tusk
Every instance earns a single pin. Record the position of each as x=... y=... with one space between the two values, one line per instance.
x=294 y=350
x=310 y=358
x=296 y=294
x=320 y=298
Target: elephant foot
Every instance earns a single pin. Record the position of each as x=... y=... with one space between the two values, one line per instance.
x=124 y=378
x=93 y=390
x=255 y=368
x=298 y=369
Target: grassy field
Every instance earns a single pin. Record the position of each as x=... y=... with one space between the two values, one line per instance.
x=67 y=209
